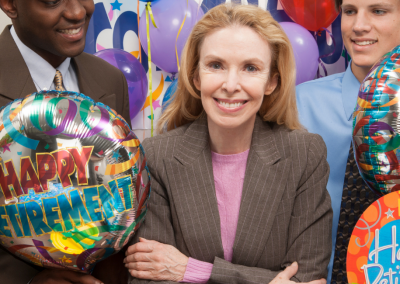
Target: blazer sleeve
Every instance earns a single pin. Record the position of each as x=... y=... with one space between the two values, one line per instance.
x=309 y=241
x=13 y=270
x=157 y=224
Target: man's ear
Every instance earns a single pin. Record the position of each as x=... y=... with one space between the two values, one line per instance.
x=9 y=7
x=196 y=80
x=272 y=84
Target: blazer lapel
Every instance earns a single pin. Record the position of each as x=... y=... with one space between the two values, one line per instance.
x=191 y=181
x=87 y=83
x=15 y=79
x=264 y=183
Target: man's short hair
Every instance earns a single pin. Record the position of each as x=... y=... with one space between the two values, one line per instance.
x=338 y=3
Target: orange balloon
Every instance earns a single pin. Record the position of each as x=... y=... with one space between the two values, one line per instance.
x=311 y=14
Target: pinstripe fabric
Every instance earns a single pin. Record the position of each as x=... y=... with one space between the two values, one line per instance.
x=285 y=212
x=58 y=81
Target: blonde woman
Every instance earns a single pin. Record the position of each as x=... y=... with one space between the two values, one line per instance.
x=238 y=188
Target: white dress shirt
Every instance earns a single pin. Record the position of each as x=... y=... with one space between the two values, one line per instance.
x=42 y=72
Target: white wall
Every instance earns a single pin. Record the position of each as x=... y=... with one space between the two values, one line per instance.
x=4 y=20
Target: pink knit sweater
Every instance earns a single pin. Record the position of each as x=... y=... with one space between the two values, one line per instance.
x=229 y=173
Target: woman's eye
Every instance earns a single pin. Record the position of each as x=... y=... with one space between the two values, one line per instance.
x=215 y=66
x=251 y=68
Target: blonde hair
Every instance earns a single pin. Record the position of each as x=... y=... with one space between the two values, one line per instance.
x=279 y=106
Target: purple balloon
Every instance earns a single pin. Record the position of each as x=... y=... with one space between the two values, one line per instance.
x=134 y=73
x=168 y=16
x=305 y=50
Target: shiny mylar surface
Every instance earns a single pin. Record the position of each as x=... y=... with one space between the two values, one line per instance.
x=73 y=177
x=376 y=124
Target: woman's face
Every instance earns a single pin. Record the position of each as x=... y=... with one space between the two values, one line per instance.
x=233 y=79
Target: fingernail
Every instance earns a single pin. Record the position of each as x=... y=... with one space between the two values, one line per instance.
x=294 y=263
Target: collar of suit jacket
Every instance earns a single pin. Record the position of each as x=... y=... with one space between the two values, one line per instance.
x=196 y=140
x=16 y=81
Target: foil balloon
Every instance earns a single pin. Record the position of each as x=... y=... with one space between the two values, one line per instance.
x=134 y=73
x=376 y=137
x=73 y=177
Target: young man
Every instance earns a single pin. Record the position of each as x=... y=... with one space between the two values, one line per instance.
x=46 y=39
x=370 y=28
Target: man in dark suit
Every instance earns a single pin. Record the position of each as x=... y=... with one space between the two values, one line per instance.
x=45 y=43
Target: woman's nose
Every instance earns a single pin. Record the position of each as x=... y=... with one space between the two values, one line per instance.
x=232 y=82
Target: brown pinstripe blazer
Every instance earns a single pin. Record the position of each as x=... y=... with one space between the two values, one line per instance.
x=285 y=212
x=97 y=79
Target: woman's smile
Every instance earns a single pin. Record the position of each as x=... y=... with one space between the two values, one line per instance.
x=230 y=105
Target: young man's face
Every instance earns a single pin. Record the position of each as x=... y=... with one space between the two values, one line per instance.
x=370 y=28
x=53 y=28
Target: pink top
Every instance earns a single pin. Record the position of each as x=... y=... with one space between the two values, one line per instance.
x=229 y=173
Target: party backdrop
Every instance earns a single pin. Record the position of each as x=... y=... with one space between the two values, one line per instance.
x=115 y=24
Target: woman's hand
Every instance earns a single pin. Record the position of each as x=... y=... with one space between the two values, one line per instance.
x=289 y=272
x=56 y=276
x=155 y=261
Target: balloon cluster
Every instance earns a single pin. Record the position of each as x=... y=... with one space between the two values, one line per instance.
x=308 y=15
x=73 y=178
x=376 y=135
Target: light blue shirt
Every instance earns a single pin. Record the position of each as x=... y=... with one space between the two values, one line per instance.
x=326 y=107
x=42 y=72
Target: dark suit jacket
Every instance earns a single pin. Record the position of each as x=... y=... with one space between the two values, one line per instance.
x=285 y=212
x=97 y=79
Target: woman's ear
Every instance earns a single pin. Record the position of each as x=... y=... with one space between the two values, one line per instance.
x=272 y=84
x=196 y=81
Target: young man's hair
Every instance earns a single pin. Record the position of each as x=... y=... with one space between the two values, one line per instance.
x=338 y=3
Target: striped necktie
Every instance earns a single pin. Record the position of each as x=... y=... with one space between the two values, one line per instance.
x=356 y=198
x=58 y=81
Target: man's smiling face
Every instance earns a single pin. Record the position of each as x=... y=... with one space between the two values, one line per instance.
x=370 y=28
x=53 y=29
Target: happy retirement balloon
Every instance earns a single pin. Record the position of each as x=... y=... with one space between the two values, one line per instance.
x=73 y=177
x=376 y=125
x=373 y=254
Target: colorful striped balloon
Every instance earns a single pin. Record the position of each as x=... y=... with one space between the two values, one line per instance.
x=376 y=125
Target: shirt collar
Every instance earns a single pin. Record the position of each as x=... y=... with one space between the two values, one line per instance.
x=41 y=71
x=350 y=87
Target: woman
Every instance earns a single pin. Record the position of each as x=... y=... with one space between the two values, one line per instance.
x=238 y=189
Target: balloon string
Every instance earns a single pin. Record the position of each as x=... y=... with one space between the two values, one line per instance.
x=325 y=55
x=140 y=53
x=149 y=12
x=138 y=23
x=177 y=36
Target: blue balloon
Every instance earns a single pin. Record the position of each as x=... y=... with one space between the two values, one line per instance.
x=168 y=94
